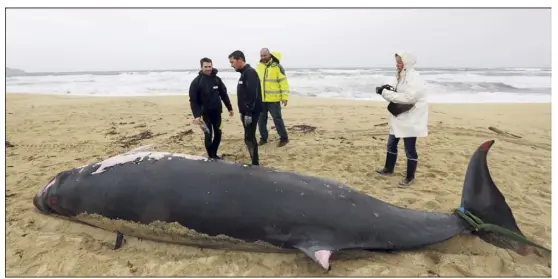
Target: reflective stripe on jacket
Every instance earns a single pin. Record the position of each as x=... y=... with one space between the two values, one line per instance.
x=275 y=86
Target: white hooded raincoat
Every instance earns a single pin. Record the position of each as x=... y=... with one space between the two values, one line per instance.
x=410 y=90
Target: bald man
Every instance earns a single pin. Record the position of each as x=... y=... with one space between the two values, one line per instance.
x=275 y=90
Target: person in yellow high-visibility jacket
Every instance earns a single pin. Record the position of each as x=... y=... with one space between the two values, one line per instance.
x=275 y=90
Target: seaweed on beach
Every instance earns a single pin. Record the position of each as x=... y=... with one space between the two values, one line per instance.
x=180 y=135
x=129 y=141
x=303 y=128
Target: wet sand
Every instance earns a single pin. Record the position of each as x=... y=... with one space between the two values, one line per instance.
x=55 y=133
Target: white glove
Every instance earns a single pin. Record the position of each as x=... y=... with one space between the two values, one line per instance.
x=247 y=120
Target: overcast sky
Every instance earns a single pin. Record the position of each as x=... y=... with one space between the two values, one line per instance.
x=142 y=39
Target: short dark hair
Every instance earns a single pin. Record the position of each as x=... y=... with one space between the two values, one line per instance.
x=237 y=54
x=205 y=59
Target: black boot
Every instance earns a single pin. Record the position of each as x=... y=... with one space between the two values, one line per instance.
x=211 y=152
x=253 y=151
x=283 y=142
x=411 y=169
x=390 y=164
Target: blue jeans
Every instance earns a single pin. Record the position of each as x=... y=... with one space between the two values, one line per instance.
x=410 y=147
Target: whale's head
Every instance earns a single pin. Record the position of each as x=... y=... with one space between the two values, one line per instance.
x=47 y=200
x=40 y=198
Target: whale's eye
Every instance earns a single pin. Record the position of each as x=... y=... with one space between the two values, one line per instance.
x=53 y=200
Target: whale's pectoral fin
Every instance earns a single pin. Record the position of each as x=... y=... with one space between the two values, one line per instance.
x=119 y=240
x=319 y=255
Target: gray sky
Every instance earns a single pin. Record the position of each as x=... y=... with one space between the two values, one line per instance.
x=141 y=39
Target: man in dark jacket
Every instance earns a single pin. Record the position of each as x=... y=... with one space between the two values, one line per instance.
x=249 y=97
x=207 y=91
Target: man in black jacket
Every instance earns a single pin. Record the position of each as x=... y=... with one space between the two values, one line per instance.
x=249 y=97
x=207 y=91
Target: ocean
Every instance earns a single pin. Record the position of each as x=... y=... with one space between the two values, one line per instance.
x=445 y=85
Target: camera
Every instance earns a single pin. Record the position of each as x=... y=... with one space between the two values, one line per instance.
x=379 y=89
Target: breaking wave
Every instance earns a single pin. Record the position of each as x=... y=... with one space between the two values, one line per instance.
x=444 y=84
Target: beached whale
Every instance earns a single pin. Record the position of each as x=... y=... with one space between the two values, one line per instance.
x=256 y=204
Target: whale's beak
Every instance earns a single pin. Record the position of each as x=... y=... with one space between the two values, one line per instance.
x=39 y=199
x=39 y=203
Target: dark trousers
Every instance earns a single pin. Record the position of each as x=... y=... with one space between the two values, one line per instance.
x=410 y=151
x=274 y=108
x=212 y=139
x=250 y=137
x=409 y=143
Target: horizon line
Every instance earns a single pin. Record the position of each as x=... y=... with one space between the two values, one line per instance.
x=293 y=68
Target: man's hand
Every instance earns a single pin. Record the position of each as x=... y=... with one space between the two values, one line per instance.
x=284 y=102
x=231 y=113
x=247 y=120
x=197 y=121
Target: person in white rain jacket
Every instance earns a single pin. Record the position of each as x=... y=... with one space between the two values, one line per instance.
x=408 y=114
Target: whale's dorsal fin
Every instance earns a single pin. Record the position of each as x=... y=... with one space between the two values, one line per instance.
x=141 y=149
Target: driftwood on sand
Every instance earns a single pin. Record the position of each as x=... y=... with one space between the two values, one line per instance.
x=498 y=131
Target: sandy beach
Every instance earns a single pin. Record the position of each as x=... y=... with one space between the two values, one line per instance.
x=338 y=139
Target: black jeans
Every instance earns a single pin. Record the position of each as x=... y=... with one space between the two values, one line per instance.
x=410 y=146
x=212 y=139
x=274 y=108
x=250 y=137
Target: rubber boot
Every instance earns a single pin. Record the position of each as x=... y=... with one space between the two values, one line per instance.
x=214 y=156
x=411 y=169
x=255 y=157
x=253 y=151
x=390 y=164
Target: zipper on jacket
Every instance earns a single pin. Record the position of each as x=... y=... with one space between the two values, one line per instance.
x=264 y=77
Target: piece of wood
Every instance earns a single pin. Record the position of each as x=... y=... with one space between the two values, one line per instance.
x=498 y=131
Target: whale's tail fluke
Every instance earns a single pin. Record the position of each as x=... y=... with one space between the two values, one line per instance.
x=484 y=207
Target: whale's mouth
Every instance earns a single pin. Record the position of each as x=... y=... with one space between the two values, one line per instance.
x=39 y=199
x=40 y=204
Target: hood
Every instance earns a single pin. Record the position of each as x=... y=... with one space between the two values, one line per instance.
x=409 y=59
x=214 y=71
x=276 y=56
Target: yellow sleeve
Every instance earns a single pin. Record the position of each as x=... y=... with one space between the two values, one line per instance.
x=283 y=83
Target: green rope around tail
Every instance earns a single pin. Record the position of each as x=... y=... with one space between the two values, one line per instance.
x=479 y=225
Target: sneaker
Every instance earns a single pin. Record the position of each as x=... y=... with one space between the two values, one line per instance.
x=405 y=182
x=262 y=142
x=384 y=171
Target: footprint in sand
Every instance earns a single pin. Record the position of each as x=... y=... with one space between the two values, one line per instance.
x=433 y=172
